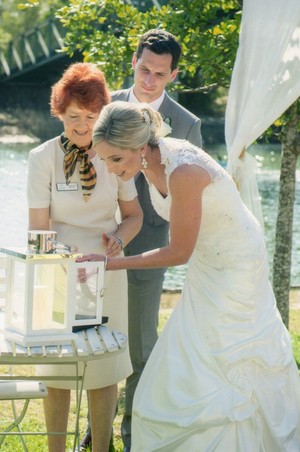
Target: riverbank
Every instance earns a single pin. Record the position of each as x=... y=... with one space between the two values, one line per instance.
x=31 y=126
x=295 y=298
x=169 y=299
x=12 y=132
x=28 y=126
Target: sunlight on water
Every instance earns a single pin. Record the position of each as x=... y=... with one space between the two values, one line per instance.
x=14 y=217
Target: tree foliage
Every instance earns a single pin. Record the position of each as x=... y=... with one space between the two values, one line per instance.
x=17 y=18
x=107 y=32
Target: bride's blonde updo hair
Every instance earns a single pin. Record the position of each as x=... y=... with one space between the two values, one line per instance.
x=128 y=125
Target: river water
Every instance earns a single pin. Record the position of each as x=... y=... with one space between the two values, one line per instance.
x=13 y=226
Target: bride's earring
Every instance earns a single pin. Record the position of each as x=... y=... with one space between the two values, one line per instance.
x=144 y=162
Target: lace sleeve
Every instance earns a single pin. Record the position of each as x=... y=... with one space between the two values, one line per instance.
x=176 y=152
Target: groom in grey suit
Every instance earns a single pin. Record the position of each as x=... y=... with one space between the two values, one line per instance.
x=155 y=64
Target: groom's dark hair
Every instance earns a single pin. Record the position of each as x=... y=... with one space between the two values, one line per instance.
x=160 y=42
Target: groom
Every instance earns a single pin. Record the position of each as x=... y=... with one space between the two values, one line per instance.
x=155 y=65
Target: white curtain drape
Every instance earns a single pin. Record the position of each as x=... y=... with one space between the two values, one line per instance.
x=265 y=82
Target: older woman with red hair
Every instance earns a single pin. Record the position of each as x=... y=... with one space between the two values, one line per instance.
x=70 y=191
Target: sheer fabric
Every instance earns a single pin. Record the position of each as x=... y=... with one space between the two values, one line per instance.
x=265 y=82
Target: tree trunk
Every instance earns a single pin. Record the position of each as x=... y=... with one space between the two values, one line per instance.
x=284 y=224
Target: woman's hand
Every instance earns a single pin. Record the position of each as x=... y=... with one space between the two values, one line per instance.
x=112 y=244
x=91 y=258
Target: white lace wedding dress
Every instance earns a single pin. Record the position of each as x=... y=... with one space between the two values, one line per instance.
x=222 y=375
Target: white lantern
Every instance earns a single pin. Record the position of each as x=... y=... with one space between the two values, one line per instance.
x=50 y=296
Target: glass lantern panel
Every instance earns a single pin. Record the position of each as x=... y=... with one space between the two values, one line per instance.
x=49 y=296
x=88 y=304
x=18 y=294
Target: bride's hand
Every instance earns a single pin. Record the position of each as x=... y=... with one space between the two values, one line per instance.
x=91 y=258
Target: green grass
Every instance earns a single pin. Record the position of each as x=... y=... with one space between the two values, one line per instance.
x=294 y=328
x=34 y=419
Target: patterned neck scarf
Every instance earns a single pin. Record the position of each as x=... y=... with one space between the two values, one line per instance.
x=88 y=175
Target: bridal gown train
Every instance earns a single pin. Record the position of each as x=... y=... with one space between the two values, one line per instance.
x=222 y=375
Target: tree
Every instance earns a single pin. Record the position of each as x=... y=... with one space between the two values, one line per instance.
x=290 y=138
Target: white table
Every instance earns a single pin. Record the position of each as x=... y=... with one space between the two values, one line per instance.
x=90 y=344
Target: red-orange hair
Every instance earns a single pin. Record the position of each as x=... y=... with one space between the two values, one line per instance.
x=83 y=83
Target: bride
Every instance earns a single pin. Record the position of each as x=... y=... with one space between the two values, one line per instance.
x=222 y=376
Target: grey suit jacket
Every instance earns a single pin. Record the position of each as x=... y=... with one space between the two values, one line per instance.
x=154 y=232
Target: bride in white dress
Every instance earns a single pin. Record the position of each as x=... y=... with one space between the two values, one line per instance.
x=222 y=376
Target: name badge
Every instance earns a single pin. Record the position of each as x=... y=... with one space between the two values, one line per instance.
x=72 y=186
